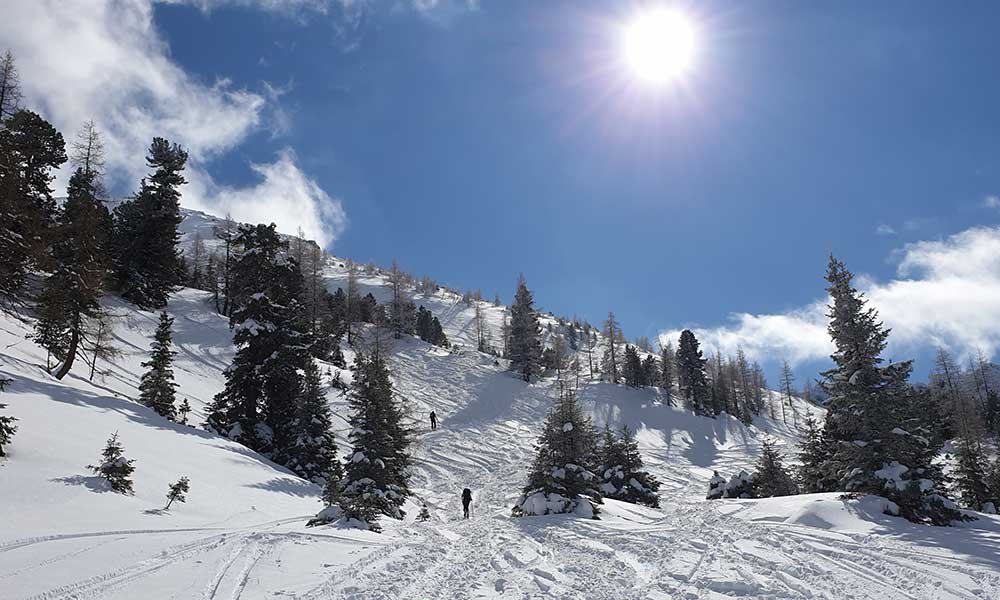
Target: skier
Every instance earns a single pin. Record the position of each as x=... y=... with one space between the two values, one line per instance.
x=434 y=421
x=466 y=501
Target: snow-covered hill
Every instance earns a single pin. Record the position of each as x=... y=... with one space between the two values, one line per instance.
x=242 y=532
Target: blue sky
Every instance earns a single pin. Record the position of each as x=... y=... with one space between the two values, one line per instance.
x=473 y=142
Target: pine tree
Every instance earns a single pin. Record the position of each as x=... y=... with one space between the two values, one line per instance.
x=402 y=312
x=610 y=362
x=376 y=474
x=10 y=86
x=953 y=401
x=877 y=443
x=691 y=373
x=114 y=467
x=787 y=391
x=631 y=367
x=315 y=454
x=352 y=302
x=667 y=372
x=437 y=334
x=971 y=474
x=226 y=232
x=650 y=371
x=561 y=480
x=993 y=487
x=622 y=472
x=156 y=388
x=72 y=294
x=770 y=478
x=30 y=150
x=525 y=334
x=813 y=456
x=148 y=266
x=257 y=406
x=183 y=411
x=7 y=427
x=176 y=492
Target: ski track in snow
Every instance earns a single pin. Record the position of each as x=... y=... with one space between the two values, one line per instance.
x=488 y=422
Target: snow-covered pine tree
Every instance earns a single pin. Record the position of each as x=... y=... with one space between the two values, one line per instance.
x=716 y=486
x=157 y=386
x=877 y=442
x=314 y=456
x=176 y=492
x=7 y=427
x=114 y=467
x=376 y=473
x=525 y=334
x=691 y=373
x=561 y=479
x=770 y=477
x=147 y=264
x=27 y=209
x=667 y=372
x=739 y=485
x=970 y=474
x=622 y=476
x=257 y=406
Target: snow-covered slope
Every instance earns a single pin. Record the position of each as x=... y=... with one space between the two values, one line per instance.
x=242 y=532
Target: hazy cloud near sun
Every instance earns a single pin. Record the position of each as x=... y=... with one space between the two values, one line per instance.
x=105 y=61
x=945 y=293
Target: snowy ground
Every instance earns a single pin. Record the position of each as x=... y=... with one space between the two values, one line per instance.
x=242 y=532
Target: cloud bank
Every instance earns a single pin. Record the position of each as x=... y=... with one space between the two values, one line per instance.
x=946 y=293
x=105 y=61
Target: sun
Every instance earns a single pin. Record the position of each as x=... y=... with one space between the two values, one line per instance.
x=660 y=45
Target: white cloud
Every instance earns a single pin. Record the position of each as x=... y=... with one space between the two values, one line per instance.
x=884 y=229
x=991 y=202
x=303 y=203
x=104 y=60
x=946 y=293
x=287 y=7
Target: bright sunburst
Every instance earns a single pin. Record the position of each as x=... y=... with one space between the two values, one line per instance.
x=660 y=45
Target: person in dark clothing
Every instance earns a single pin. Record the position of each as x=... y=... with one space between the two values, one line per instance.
x=434 y=421
x=466 y=501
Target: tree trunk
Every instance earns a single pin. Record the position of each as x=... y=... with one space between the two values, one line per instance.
x=74 y=342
